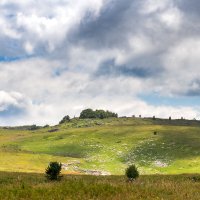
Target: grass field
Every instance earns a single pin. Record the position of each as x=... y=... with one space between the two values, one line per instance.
x=108 y=145
x=163 y=151
x=14 y=186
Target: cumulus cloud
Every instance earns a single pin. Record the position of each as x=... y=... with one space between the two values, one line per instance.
x=60 y=56
x=43 y=24
x=12 y=99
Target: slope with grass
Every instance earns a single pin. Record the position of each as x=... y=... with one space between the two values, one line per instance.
x=105 y=146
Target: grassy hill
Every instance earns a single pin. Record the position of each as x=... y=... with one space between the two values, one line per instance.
x=104 y=146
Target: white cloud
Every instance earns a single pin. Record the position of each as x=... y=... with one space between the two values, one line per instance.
x=12 y=99
x=152 y=6
x=29 y=48
x=164 y=11
x=44 y=22
x=181 y=64
x=7 y=30
x=152 y=45
x=45 y=99
x=172 y=18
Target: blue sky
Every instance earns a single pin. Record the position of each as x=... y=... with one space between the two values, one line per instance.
x=133 y=57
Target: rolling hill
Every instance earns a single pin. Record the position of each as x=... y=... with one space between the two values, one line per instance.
x=104 y=146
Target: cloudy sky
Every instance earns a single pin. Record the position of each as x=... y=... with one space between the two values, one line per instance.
x=133 y=57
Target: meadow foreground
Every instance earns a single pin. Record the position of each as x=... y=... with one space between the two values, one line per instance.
x=14 y=186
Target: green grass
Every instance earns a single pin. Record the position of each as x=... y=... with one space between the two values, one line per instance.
x=108 y=145
x=105 y=145
x=14 y=186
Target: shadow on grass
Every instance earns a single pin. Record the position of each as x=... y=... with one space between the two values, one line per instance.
x=72 y=150
x=11 y=177
x=167 y=146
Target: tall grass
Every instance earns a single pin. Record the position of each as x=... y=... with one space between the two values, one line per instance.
x=14 y=186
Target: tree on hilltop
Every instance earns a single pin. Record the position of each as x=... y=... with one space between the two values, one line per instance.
x=65 y=119
x=99 y=114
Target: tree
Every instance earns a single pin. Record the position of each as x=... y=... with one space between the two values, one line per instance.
x=87 y=113
x=99 y=114
x=132 y=173
x=65 y=119
x=53 y=171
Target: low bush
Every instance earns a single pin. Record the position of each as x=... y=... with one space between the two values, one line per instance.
x=132 y=173
x=196 y=178
x=53 y=171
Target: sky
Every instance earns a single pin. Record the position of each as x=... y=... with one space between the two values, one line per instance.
x=133 y=57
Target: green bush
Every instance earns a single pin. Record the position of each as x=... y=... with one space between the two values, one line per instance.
x=132 y=172
x=65 y=119
x=53 y=171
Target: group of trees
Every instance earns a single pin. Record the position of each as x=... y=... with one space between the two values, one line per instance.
x=91 y=114
x=96 y=114
x=101 y=114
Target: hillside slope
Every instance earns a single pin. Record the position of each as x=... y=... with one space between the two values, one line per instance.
x=105 y=146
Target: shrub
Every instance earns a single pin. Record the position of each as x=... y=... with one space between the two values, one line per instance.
x=53 y=171
x=65 y=119
x=196 y=178
x=132 y=173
